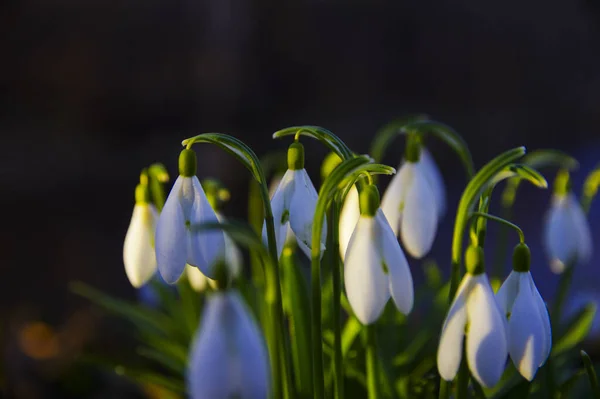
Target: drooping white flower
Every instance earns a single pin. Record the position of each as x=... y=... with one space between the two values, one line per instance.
x=434 y=177
x=293 y=204
x=233 y=260
x=567 y=234
x=176 y=244
x=349 y=216
x=474 y=307
x=228 y=358
x=529 y=331
x=374 y=266
x=410 y=205
x=138 y=251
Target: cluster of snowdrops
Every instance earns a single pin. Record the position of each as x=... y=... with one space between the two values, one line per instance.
x=357 y=239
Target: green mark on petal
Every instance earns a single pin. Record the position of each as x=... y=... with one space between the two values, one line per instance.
x=385 y=268
x=285 y=216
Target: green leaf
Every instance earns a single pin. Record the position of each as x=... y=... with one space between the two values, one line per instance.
x=333 y=142
x=144 y=377
x=163 y=359
x=389 y=132
x=298 y=308
x=578 y=329
x=591 y=373
x=590 y=188
x=449 y=136
x=544 y=158
x=522 y=172
x=569 y=384
x=235 y=147
x=142 y=317
x=350 y=332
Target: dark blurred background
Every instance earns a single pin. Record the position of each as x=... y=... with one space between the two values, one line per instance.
x=92 y=91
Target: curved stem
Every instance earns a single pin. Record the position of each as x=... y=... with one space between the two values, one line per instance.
x=505 y=222
x=372 y=382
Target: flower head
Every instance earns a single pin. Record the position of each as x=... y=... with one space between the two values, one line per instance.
x=529 y=331
x=348 y=218
x=138 y=249
x=176 y=244
x=374 y=265
x=228 y=357
x=567 y=235
x=476 y=314
x=413 y=206
x=294 y=202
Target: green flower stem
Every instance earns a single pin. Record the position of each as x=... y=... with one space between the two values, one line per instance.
x=462 y=379
x=372 y=381
x=158 y=176
x=333 y=245
x=590 y=189
x=501 y=221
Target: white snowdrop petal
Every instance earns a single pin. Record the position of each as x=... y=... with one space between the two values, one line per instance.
x=366 y=283
x=487 y=346
x=233 y=255
x=171 y=237
x=393 y=201
x=302 y=209
x=280 y=206
x=450 y=349
x=419 y=219
x=560 y=234
x=138 y=250
x=348 y=219
x=205 y=248
x=525 y=331
x=508 y=292
x=545 y=318
x=253 y=356
x=400 y=278
x=581 y=225
x=197 y=280
x=213 y=358
x=434 y=177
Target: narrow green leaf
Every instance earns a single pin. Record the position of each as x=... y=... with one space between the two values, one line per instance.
x=351 y=331
x=333 y=142
x=544 y=158
x=591 y=373
x=161 y=358
x=235 y=147
x=142 y=317
x=146 y=377
x=298 y=309
x=569 y=384
x=578 y=329
x=522 y=172
x=590 y=188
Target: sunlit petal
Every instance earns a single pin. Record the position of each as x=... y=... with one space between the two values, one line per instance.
x=581 y=225
x=197 y=280
x=487 y=346
x=348 y=219
x=139 y=256
x=365 y=281
x=450 y=348
x=302 y=209
x=545 y=318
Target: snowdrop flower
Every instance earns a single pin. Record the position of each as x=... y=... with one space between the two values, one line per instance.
x=476 y=314
x=233 y=260
x=410 y=203
x=567 y=235
x=293 y=204
x=138 y=250
x=228 y=357
x=434 y=177
x=348 y=218
x=529 y=333
x=375 y=267
x=176 y=244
